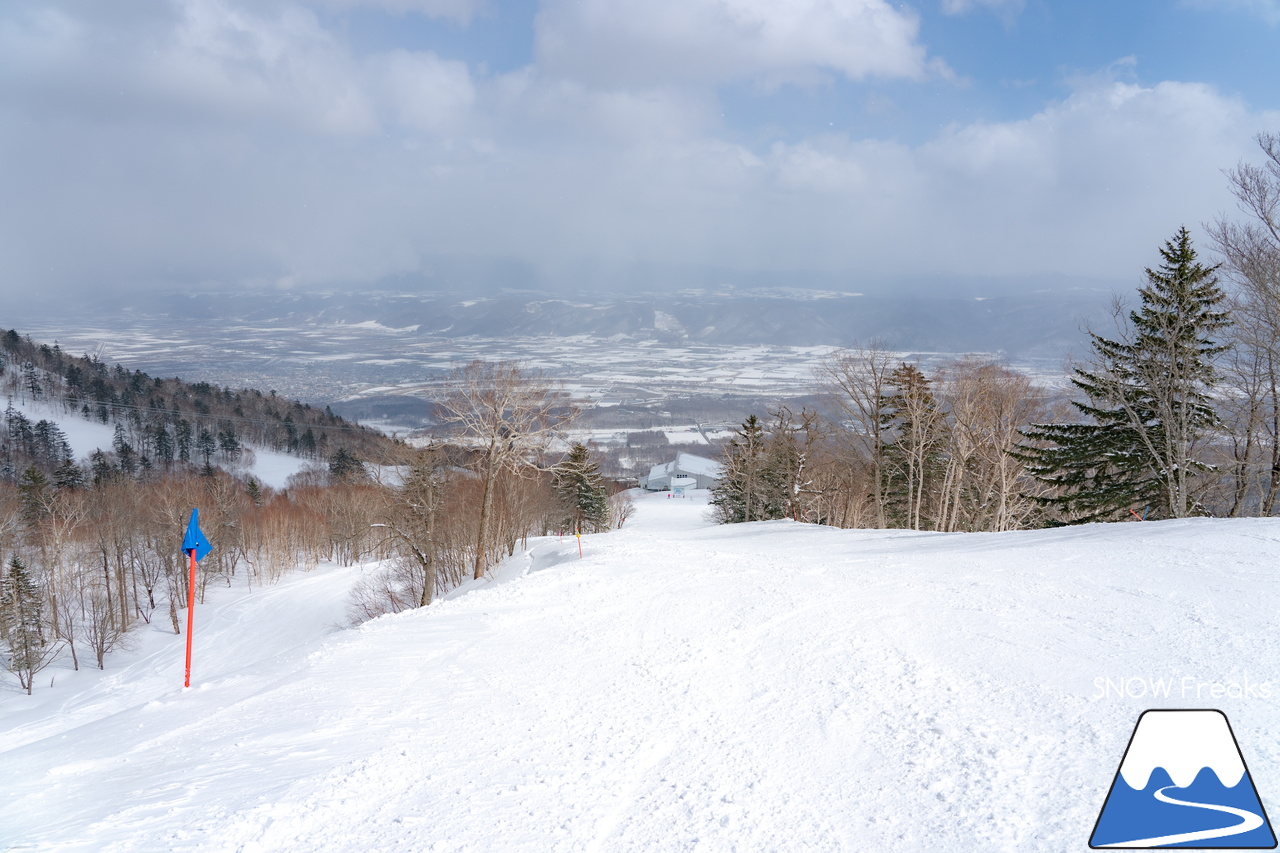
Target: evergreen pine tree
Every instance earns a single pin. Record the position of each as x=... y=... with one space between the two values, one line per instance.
x=126 y=456
x=787 y=481
x=765 y=468
x=229 y=442
x=183 y=437
x=34 y=497
x=21 y=433
x=580 y=488
x=101 y=469
x=22 y=624
x=162 y=442
x=1148 y=406
x=50 y=445
x=207 y=445
x=69 y=475
x=344 y=467
x=740 y=494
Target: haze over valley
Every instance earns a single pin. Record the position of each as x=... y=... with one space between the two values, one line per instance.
x=637 y=362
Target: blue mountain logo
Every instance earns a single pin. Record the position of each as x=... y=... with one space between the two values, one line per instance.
x=1183 y=783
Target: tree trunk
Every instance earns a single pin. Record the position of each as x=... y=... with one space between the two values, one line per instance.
x=486 y=510
x=106 y=580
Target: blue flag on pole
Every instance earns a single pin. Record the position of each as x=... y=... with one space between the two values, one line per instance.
x=194 y=540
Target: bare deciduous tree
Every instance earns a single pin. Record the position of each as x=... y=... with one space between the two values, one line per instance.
x=914 y=429
x=984 y=487
x=1251 y=260
x=794 y=442
x=508 y=415
x=410 y=517
x=856 y=381
x=97 y=617
x=621 y=507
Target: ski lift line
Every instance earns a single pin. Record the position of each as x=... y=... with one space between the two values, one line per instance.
x=198 y=416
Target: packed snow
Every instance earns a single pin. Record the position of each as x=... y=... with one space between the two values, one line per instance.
x=682 y=686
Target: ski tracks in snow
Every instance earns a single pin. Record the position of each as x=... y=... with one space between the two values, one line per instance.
x=769 y=686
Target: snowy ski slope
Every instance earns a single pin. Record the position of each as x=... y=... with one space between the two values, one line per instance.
x=757 y=687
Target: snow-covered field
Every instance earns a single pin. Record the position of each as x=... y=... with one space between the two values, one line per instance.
x=757 y=687
x=319 y=362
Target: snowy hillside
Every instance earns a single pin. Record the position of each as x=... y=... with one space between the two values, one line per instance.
x=756 y=687
x=269 y=467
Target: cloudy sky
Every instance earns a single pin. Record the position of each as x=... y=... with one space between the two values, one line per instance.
x=585 y=143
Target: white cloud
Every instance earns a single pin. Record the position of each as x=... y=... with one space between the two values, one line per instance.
x=528 y=105
x=198 y=60
x=207 y=139
x=1088 y=186
x=286 y=66
x=711 y=41
x=422 y=91
x=217 y=61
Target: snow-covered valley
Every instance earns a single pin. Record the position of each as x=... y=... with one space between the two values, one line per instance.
x=683 y=686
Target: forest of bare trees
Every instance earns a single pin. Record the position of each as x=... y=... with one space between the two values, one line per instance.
x=1176 y=411
x=102 y=557
x=89 y=549
x=894 y=448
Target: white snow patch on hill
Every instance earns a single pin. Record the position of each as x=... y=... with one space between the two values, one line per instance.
x=269 y=467
x=273 y=468
x=771 y=686
x=84 y=436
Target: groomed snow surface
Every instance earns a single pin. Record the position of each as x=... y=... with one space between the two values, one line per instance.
x=685 y=686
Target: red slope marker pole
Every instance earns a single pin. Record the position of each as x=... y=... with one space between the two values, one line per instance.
x=191 y=612
x=579 y=535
